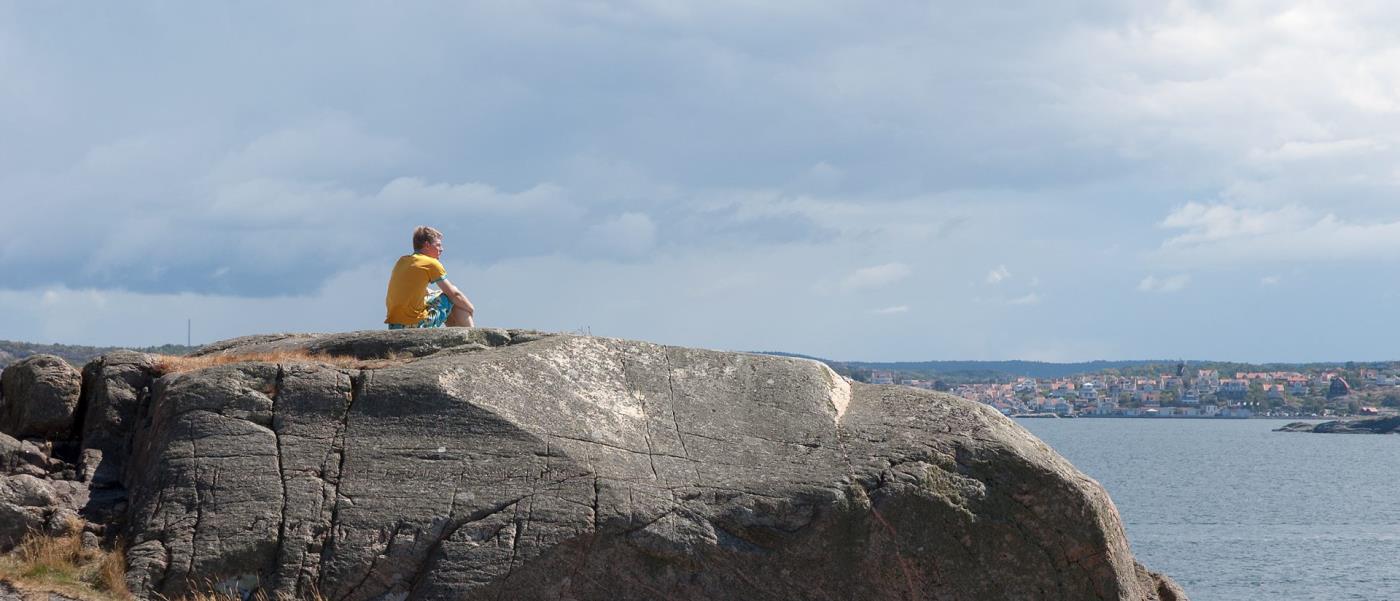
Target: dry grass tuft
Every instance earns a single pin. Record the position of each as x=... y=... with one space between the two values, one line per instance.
x=60 y=564
x=111 y=573
x=58 y=557
x=214 y=596
x=63 y=565
x=211 y=592
x=173 y=364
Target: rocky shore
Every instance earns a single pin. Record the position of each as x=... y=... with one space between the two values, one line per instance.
x=488 y=464
x=1373 y=425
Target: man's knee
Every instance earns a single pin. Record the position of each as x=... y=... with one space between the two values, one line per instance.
x=458 y=317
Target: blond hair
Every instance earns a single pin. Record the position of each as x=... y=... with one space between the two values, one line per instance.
x=422 y=235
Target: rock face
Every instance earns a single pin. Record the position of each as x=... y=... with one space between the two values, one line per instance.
x=509 y=464
x=30 y=504
x=38 y=396
x=1374 y=425
x=1296 y=427
x=23 y=457
x=116 y=393
x=116 y=388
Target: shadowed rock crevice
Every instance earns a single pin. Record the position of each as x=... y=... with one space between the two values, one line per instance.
x=277 y=427
x=331 y=500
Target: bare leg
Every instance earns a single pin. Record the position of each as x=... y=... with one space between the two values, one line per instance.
x=459 y=319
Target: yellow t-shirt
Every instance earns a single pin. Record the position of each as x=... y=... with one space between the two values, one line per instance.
x=408 y=285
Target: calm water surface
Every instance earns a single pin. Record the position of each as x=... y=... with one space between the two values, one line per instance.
x=1233 y=511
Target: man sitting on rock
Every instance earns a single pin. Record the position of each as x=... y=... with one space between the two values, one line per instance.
x=410 y=303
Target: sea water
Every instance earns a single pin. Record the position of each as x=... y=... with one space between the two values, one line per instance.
x=1233 y=511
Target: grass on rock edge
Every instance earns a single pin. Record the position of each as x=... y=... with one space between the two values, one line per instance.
x=61 y=564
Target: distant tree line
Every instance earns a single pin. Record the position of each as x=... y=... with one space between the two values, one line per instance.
x=75 y=355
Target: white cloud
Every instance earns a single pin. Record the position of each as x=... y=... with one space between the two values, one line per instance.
x=474 y=199
x=325 y=146
x=147 y=154
x=1224 y=234
x=996 y=276
x=1173 y=283
x=614 y=181
x=1209 y=223
x=875 y=276
x=821 y=176
x=1301 y=151
x=1029 y=299
x=895 y=310
x=1269 y=280
x=235 y=237
x=628 y=234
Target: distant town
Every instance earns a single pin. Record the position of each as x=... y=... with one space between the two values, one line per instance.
x=1180 y=392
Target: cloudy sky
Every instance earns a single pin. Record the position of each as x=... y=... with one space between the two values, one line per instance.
x=893 y=181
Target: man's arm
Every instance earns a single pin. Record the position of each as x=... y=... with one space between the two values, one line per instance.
x=459 y=300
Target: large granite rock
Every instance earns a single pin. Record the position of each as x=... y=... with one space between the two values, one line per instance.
x=506 y=464
x=38 y=396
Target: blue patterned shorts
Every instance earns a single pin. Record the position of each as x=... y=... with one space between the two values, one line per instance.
x=439 y=307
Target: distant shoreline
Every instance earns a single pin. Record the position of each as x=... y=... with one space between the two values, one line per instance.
x=1296 y=419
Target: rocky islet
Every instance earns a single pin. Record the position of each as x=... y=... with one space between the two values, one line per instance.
x=1369 y=425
